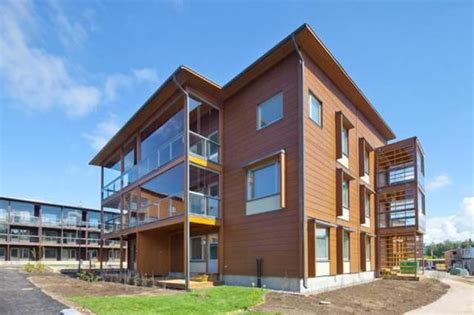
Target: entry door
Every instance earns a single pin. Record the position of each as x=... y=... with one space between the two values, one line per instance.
x=212 y=254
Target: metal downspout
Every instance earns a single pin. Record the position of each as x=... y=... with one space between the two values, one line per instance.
x=186 y=184
x=302 y=162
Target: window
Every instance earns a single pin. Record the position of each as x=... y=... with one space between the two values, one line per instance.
x=366 y=162
x=2 y=252
x=345 y=141
x=50 y=253
x=315 y=109
x=367 y=205
x=263 y=181
x=421 y=202
x=367 y=248
x=196 y=248
x=270 y=111
x=345 y=194
x=346 y=246
x=322 y=244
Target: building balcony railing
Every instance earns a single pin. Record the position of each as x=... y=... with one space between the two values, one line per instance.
x=202 y=204
x=203 y=147
x=51 y=221
x=14 y=238
x=21 y=219
x=167 y=152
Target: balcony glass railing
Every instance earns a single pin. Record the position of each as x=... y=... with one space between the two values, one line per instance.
x=203 y=204
x=52 y=221
x=50 y=239
x=112 y=225
x=14 y=218
x=203 y=147
x=3 y=217
x=167 y=152
x=400 y=218
x=16 y=238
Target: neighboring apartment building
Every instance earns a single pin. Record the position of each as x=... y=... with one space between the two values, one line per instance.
x=277 y=166
x=34 y=230
x=460 y=258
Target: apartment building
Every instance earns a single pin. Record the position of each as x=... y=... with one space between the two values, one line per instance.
x=268 y=180
x=32 y=230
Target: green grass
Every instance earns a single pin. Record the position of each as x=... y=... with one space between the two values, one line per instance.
x=218 y=300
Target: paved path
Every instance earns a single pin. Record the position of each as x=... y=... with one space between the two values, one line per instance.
x=458 y=300
x=20 y=296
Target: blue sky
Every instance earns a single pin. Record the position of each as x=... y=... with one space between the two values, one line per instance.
x=71 y=73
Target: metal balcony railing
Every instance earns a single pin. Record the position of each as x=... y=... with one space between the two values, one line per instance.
x=203 y=204
x=204 y=147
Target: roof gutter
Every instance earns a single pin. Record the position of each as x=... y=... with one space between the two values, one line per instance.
x=303 y=230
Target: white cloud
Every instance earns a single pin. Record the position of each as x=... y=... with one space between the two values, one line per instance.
x=456 y=227
x=439 y=181
x=38 y=80
x=102 y=133
x=116 y=82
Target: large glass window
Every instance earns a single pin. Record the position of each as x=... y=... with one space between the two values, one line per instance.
x=263 y=181
x=367 y=248
x=51 y=253
x=400 y=175
x=366 y=162
x=270 y=111
x=315 y=109
x=23 y=212
x=345 y=141
x=367 y=205
x=197 y=248
x=345 y=194
x=162 y=145
x=93 y=219
x=3 y=232
x=421 y=202
x=72 y=217
x=346 y=246
x=322 y=243
x=51 y=215
x=3 y=211
x=162 y=196
x=2 y=253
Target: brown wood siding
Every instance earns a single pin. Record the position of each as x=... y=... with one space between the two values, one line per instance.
x=153 y=249
x=322 y=197
x=274 y=236
x=177 y=252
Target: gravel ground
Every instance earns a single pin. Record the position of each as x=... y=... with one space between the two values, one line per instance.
x=19 y=296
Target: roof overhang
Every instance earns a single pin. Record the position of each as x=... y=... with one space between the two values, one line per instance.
x=185 y=76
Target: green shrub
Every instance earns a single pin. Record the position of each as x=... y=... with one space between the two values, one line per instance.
x=29 y=267
x=89 y=276
x=38 y=267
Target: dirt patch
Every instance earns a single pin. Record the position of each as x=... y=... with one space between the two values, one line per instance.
x=61 y=287
x=381 y=296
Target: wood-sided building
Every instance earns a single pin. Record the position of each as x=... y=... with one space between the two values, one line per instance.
x=269 y=179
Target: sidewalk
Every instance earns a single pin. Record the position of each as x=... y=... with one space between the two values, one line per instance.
x=458 y=300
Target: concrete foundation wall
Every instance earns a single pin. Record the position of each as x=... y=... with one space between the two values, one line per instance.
x=315 y=285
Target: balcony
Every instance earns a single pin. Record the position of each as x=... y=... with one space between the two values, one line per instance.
x=203 y=147
x=51 y=239
x=23 y=219
x=51 y=221
x=16 y=238
x=201 y=204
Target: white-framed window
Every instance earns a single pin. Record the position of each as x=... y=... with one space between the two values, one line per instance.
x=345 y=194
x=366 y=162
x=367 y=248
x=263 y=181
x=197 y=248
x=345 y=141
x=346 y=245
x=367 y=205
x=270 y=111
x=315 y=109
x=322 y=243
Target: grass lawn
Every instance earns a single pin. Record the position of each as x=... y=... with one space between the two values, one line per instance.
x=218 y=300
